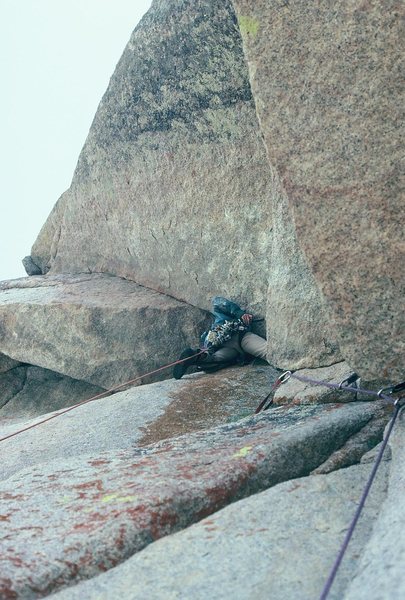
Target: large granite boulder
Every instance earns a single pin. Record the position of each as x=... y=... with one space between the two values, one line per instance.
x=96 y=328
x=326 y=78
x=172 y=188
x=298 y=326
x=64 y=521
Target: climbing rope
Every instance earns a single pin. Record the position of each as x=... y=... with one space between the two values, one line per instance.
x=345 y=386
x=342 y=386
x=110 y=391
x=350 y=531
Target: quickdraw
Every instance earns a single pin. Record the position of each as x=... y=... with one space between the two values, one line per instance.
x=267 y=401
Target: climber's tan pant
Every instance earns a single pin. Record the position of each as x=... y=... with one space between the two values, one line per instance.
x=251 y=344
x=254 y=344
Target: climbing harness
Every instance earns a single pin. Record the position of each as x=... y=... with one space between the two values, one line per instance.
x=103 y=394
x=220 y=334
x=347 y=385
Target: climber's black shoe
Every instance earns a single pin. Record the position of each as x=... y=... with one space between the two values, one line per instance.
x=181 y=368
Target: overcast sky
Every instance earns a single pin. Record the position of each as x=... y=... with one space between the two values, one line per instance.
x=57 y=57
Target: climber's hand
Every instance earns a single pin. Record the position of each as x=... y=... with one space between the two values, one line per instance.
x=247 y=319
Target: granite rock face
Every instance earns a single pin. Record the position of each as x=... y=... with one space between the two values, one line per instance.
x=7 y=363
x=173 y=191
x=172 y=188
x=176 y=198
x=99 y=329
x=64 y=522
x=265 y=546
x=298 y=325
x=327 y=84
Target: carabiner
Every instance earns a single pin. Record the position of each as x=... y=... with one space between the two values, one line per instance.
x=348 y=381
x=392 y=389
x=284 y=377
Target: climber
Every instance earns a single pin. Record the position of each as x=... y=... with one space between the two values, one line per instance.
x=227 y=342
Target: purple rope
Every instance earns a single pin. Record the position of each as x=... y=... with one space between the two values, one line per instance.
x=360 y=507
x=336 y=386
x=350 y=531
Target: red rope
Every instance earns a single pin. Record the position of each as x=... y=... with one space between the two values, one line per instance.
x=110 y=391
x=276 y=384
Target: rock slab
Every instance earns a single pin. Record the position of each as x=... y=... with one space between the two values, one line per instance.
x=141 y=415
x=278 y=544
x=64 y=522
x=380 y=573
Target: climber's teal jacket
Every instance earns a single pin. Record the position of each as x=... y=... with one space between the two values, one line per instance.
x=223 y=310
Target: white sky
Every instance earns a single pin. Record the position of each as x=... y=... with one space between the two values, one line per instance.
x=56 y=59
